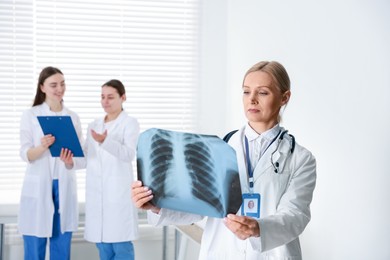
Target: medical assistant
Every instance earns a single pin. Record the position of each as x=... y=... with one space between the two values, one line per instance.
x=110 y=213
x=36 y=204
x=284 y=210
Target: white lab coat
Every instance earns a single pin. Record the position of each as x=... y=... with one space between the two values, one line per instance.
x=284 y=213
x=36 y=204
x=110 y=213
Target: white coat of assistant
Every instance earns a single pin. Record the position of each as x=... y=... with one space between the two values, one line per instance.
x=110 y=215
x=36 y=204
x=284 y=213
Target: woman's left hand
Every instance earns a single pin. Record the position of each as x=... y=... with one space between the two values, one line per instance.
x=67 y=157
x=243 y=227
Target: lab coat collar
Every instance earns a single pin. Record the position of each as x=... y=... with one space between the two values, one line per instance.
x=268 y=135
x=46 y=109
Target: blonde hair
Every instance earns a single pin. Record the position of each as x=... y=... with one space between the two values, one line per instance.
x=277 y=72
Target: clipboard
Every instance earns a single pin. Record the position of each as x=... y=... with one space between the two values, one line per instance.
x=61 y=127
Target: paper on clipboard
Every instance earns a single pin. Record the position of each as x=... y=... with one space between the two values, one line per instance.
x=61 y=127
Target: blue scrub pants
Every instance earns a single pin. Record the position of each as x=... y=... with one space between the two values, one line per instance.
x=35 y=247
x=116 y=251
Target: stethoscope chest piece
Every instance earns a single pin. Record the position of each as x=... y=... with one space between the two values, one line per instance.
x=276 y=164
x=276 y=167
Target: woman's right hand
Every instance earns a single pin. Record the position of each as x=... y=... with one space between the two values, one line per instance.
x=142 y=196
x=47 y=140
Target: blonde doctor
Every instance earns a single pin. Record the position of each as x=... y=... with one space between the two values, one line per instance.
x=276 y=174
x=111 y=219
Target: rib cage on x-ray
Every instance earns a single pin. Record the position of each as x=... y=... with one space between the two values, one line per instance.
x=183 y=173
x=162 y=163
x=200 y=168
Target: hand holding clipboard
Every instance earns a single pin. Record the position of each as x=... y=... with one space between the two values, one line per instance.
x=61 y=127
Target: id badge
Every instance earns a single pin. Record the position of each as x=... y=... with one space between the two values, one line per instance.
x=250 y=205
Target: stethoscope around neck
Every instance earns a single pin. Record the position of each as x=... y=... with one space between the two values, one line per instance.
x=279 y=138
x=275 y=165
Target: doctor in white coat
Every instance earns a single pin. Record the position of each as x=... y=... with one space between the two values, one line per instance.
x=111 y=219
x=48 y=205
x=277 y=176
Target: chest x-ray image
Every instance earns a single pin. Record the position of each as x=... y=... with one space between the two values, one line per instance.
x=189 y=172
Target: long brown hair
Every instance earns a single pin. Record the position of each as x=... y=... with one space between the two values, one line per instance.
x=45 y=73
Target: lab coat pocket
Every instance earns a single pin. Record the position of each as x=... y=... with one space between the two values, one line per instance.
x=31 y=186
x=275 y=181
x=281 y=184
x=272 y=185
x=282 y=179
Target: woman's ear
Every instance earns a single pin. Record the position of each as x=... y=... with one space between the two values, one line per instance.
x=286 y=97
x=123 y=97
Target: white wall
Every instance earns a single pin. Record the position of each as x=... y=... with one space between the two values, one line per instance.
x=213 y=66
x=338 y=57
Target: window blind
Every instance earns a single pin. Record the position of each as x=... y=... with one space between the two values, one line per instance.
x=151 y=46
x=16 y=89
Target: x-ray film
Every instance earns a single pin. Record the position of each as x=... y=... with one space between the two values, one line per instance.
x=189 y=172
